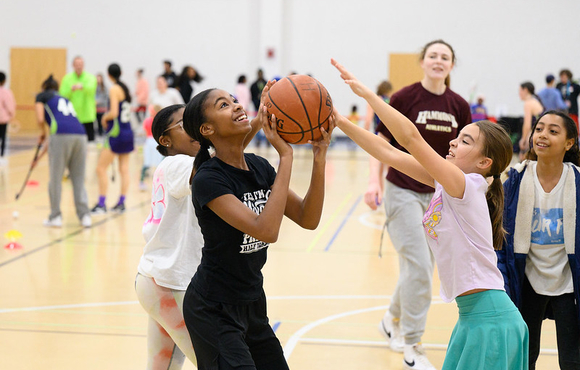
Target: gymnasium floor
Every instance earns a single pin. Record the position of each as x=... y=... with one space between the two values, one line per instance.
x=67 y=299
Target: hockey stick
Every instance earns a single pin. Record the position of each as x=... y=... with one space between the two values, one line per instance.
x=32 y=165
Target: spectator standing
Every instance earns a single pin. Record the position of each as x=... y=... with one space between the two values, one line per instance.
x=570 y=91
x=7 y=112
x=384 y=90
x=141 y=96
x=551 y=97
x=169 y=75
x=102 y=99
x=478 y=110
x=256 y=89
x=242 y=93
x=165 y=96
x=80 y=88
x=184 y=82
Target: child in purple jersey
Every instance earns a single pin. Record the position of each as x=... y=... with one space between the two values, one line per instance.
x=119 y=141
x=67 y=148
x=463 y=224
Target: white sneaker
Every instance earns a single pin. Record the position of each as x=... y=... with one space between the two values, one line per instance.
x=415 y=358
x=390 y=329
x=86 y=220
x=53 y=222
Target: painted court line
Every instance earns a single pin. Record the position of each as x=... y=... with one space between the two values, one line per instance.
x=122 y=303
x=70 y=235
x=357 y=201
x=372 y=343
x=295 y=338
x=327 y=223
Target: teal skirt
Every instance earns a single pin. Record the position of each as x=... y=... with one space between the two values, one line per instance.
x=490 y=334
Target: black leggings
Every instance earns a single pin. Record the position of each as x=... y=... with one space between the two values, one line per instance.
x=533 y=309
x=3 y=138
x=90 y=130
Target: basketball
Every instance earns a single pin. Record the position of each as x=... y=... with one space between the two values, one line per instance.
x=301 y=105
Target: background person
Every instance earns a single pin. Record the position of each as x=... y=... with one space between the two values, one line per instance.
x=120 y=141
x=7 y=113
x=102 y=99
x=80 y=88
x=67 y=148
x=141 y=96
x=173 y=244
x=570 y=91
x=550 y=96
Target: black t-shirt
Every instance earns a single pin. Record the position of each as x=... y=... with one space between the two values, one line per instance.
x=570 y=92
x=231 y=263
x=171 y=79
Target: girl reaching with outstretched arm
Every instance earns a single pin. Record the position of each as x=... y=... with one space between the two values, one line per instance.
x=460 y=232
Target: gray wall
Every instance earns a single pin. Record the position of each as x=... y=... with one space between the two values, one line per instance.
x=499 y=43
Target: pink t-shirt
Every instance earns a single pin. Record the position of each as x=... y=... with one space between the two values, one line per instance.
x=142 y=91
x=147 y=122
x=460 y=235
x=7 y=105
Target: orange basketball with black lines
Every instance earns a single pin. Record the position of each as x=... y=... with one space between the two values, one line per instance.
x=301 y=105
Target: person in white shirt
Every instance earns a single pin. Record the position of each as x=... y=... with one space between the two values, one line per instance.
x=165 y=96
x=173 y=241
x=173 y=244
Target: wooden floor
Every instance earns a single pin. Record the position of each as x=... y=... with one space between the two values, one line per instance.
x=67 y=298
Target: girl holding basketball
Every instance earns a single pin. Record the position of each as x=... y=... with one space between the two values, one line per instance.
x=463 y=224
x=540 y=258
x=119 y=141
x=240 y=201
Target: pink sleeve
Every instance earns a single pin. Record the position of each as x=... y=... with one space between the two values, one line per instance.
x=147 y=126
x=11 y=104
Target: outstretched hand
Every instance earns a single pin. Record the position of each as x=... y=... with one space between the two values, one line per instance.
x=356 y=86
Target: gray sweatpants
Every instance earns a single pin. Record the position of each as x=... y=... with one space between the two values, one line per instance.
x=67 y=151
x=412 y=297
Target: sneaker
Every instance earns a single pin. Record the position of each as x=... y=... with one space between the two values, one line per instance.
x=390 y=329
x=53 y=222
x=86 y=221
x=119 y=208
x=99 y=210
x=415 y=358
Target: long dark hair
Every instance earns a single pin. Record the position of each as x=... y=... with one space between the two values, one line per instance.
x=161 y=122
x=183 y=77
x=114 y=71
x=573 y=154
x=532 y=90
x=497 y=146
x=193 y=118
x=49 y=84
